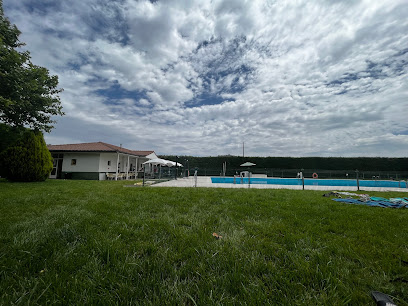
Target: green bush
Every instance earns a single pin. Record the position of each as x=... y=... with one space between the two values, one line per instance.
x=28 y=160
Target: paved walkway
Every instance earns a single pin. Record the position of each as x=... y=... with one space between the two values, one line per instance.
x=205 y=181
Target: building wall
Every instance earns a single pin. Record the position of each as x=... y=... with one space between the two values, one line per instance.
x=85 y=162
x=103 y=162
x=95 y=165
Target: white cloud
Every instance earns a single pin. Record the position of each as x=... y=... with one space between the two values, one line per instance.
x=144 y=102
x=305 y=78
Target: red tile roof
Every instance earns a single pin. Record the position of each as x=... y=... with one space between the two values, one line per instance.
x=95 y=147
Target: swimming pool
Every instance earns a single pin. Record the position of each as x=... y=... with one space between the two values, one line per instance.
x=310 y=182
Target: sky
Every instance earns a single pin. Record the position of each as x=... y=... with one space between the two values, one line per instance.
x=184 y=77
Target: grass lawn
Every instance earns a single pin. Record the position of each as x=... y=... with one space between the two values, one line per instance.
x=91 y=242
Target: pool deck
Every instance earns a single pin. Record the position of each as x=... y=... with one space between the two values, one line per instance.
x=205 y=181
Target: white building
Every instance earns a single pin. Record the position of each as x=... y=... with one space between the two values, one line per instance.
x=96 y=161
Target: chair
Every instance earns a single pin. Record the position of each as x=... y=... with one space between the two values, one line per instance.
x=110 y=176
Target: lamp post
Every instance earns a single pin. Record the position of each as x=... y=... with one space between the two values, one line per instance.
x=188 y=168
x=358 y=181
x=249 y=178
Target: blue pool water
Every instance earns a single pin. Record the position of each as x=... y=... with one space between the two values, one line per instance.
x=309 y=182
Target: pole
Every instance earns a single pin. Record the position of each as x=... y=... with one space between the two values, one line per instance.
x=358 y=181
x=117 y=168
x=303 y=178
x=188 y=169
x=144 y=171
x=127 y=168
x=176 y=170
x=136 y=167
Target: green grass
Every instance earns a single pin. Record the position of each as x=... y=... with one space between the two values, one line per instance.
x=90 y=242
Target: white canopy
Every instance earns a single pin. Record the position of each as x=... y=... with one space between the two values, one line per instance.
x=173 y=164
x=157 y=161
x=162 y=162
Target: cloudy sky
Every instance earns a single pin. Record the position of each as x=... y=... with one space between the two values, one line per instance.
x=288 y=78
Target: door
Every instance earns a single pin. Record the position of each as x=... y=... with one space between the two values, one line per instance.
x=53 y=173
x=56 y=166
x=59 y=168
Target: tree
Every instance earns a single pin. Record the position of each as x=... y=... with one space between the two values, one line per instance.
x=28 y=160
x=28 y=94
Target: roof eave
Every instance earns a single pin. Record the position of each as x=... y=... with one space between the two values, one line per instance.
x=95 y=151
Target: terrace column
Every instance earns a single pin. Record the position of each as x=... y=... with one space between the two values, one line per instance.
x=127 y=169
x=117 y=168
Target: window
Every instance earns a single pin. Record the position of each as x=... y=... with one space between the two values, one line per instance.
x=109 y=162
x=73 y=162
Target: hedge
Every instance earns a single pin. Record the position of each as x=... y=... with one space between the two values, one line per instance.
x=297 y=163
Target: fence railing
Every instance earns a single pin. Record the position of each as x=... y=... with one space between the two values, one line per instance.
x=284 y=173
x=308 y=173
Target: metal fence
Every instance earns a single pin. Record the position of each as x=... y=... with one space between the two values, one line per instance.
x=308 y=173
x=168 y=173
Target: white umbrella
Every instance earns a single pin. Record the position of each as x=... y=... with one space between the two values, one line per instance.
x=248 y=164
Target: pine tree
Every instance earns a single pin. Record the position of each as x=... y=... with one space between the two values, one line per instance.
x=28 y=160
